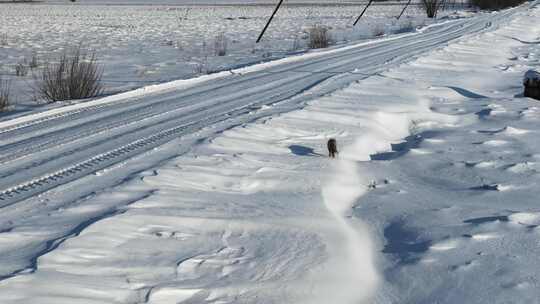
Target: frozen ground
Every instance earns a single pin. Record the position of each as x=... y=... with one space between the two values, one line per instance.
x=138 y=45
x=433 y=198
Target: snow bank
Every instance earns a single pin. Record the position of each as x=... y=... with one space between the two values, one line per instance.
x=458 y=223
x=258 y=212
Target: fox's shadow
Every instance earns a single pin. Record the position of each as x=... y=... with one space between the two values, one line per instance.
x=303 y=151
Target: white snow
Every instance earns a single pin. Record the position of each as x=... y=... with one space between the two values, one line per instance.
x=257 y=212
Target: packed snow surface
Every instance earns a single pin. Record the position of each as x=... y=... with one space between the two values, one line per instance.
x=433 y=198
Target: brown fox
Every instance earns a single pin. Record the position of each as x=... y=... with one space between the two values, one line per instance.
x=332 y=148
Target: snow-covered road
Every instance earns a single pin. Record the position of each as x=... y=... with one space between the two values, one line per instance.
x=234 y=212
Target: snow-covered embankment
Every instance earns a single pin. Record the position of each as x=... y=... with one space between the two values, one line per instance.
x=258 y=212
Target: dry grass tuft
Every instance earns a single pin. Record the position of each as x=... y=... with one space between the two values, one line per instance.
x=318 y=37
x=5 y=86
x=76 y=75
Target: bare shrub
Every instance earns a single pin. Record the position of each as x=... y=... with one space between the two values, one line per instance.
x=495 y=4
x=3 y=39
x=432 y=7
x=5 y=86
x=201 y=64
x=318 y=37
x=33 y=64
x=220 y=45
x=199 y=68
x=76 y=75
x=21 y=69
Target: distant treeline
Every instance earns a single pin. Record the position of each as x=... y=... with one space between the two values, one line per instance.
x=495 y=4
x=483 y=4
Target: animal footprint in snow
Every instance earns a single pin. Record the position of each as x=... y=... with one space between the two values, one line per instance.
x=174 y=235
x=376 y=184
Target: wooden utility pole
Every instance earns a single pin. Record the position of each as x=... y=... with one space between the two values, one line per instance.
x=362 y=14
x=403 y=11
x=269 y=21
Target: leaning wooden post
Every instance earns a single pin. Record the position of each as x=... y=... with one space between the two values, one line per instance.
x=531 y=82
x=403 y=11
x=269 y=21
x=362 y=14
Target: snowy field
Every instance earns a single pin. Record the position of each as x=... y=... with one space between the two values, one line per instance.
x=433 y=198
x=138 y=45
